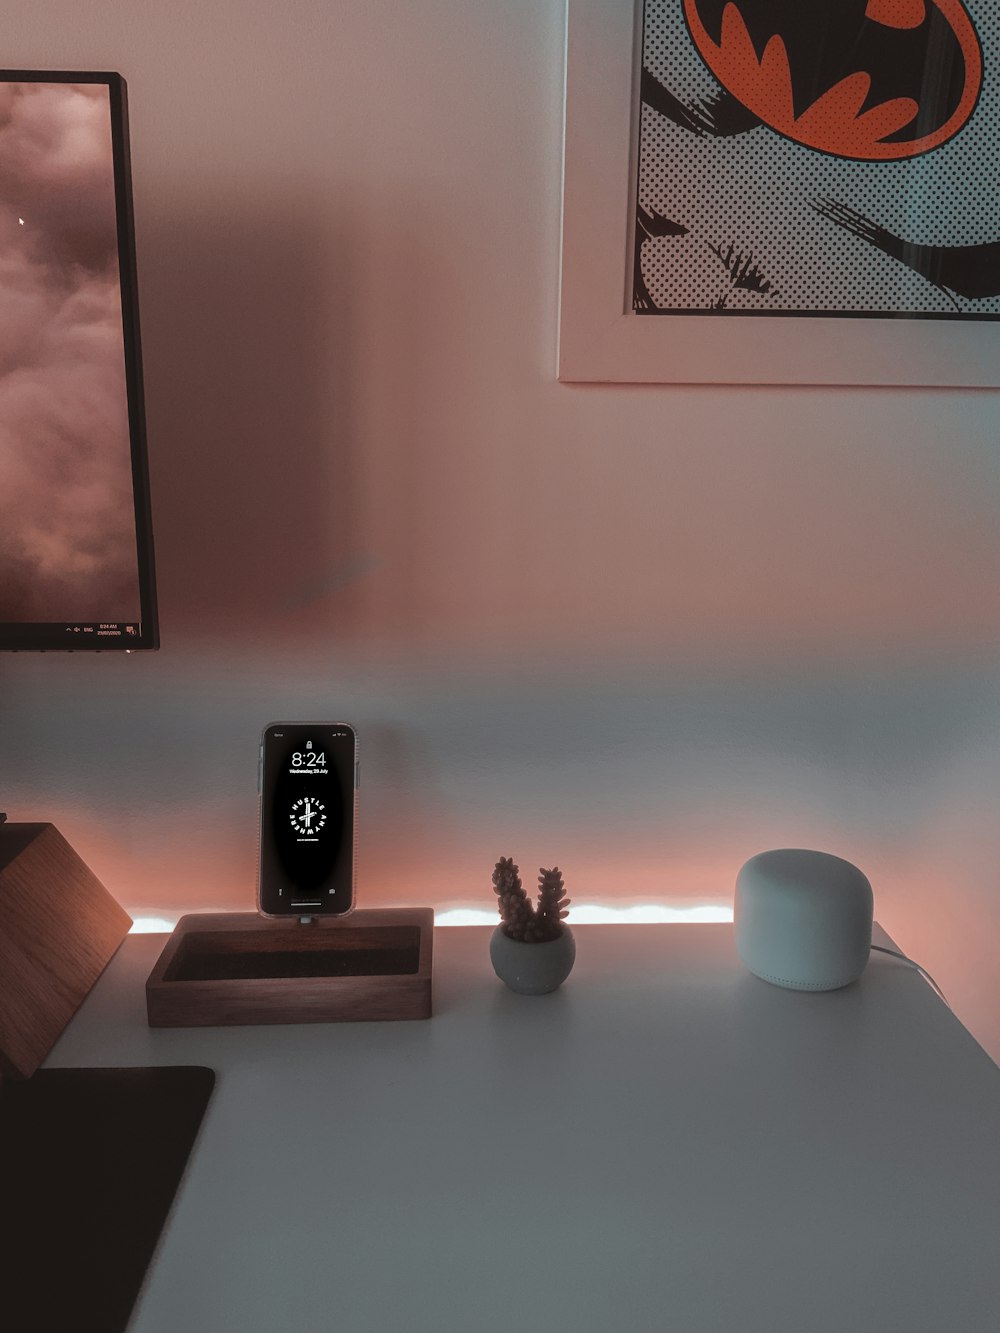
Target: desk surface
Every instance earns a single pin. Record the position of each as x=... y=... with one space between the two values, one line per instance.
x=664 y=1143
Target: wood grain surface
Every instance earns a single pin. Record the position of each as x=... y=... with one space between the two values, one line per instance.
x=59 y=926
x=221 y=968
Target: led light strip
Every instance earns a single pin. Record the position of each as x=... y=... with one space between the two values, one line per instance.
x=584 y=915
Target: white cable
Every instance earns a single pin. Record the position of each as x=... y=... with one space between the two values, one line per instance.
x=879 y=948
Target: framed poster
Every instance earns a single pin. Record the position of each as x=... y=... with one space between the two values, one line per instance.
x=774 y=192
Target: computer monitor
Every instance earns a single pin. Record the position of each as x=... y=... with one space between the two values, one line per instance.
x=76 y=547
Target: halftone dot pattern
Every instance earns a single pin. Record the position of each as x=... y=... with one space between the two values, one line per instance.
x=755 y=240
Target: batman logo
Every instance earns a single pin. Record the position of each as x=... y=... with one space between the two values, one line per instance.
x=871 y=79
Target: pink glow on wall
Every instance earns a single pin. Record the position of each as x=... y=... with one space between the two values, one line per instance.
x=642 y=632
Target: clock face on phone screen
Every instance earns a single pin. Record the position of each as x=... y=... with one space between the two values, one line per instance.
x=308 y=774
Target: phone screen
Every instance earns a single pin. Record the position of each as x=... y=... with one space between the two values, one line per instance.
x=307 y=785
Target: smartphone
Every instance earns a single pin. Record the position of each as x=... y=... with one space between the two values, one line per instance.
x=308 y=781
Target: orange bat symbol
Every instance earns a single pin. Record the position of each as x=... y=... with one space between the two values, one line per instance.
x=870 y=79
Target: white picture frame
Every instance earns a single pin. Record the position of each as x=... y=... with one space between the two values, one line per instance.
x=602 y=340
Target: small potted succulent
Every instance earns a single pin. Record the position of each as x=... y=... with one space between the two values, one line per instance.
x=531 y=949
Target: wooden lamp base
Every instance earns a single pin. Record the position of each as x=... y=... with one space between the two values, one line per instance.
x=59 y=927
x=221 y=968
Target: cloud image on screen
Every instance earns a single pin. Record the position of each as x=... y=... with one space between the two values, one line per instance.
x=67 y=522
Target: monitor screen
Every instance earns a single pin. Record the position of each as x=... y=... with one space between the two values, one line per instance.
x=76 y=556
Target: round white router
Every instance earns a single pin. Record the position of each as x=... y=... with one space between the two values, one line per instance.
x=803 y=919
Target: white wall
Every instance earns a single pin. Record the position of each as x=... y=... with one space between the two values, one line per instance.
x=640 y=632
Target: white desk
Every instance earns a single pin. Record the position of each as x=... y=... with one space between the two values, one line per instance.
x=666 y=1143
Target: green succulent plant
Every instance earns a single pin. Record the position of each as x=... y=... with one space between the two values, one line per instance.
x=522 y=920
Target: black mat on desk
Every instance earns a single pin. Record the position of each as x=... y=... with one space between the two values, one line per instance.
x=90 y=1160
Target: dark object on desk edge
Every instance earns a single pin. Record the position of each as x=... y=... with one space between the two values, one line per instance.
x=59 y=927
x=221 y=968
x=90 y=1161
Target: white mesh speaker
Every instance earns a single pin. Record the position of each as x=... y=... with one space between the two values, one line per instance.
x=803 y=919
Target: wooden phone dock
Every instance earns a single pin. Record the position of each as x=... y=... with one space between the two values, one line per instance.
x=222 y=968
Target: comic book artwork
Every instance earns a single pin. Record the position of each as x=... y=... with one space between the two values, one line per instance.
x=819 y=157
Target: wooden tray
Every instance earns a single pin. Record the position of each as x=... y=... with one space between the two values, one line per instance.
x=235 y=967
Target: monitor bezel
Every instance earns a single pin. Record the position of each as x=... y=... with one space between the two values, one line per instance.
x=46 y=637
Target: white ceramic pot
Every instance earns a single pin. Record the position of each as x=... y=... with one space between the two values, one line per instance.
x=532 y=969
